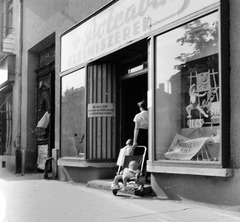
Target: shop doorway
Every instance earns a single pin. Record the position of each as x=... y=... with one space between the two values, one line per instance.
x=133 y=90
x=45 y=129
x=131 y=87
x=45 y=116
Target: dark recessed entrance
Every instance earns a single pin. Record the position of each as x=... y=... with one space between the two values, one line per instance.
x=132 y=86
x=133 y=90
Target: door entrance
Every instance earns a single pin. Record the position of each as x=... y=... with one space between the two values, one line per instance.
x=132 y=82
x=133 y=90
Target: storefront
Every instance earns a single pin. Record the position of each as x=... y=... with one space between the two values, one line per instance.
x=174 y=54
x=7 y=72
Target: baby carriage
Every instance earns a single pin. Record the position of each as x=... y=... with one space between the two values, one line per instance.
x=125 y=158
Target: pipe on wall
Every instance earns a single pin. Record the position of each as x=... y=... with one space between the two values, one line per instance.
x=19 y=82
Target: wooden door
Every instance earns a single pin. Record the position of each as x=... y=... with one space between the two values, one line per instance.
x=101 y=131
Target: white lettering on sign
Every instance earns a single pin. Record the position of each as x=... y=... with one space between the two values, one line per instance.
x=119 y=24
x=101 y=110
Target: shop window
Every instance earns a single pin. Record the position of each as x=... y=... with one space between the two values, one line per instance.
x=73 y=114
x=187 y=93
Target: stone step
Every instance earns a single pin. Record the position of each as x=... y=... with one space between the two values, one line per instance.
x=130 y=189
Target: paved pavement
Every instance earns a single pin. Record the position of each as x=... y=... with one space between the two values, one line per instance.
x=30 y=198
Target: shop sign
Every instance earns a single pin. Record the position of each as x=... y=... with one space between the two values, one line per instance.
x=119 y=24
x=101 y=110
x=183 y=148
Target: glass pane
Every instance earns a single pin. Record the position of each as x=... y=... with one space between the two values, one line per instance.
x=187 y=92
x=73 y=114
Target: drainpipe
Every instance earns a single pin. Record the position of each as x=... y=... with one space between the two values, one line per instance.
x=19 y=83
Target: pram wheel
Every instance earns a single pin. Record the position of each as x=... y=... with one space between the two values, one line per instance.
x=115 y=191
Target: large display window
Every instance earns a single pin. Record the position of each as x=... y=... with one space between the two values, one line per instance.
x=73 y=114
x=187 y=92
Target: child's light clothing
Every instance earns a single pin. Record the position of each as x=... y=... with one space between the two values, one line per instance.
x=129 y=172
x=126 y=174
x=125 y=151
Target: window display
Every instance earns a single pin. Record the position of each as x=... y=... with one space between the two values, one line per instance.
x=187 y=93
x=73 y=114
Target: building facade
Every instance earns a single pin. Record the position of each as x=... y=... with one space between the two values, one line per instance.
x=43 y=23
x=10 y=85
x=84 y=66
x=178 y=60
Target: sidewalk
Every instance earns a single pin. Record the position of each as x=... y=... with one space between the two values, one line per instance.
x=30 y=197
x=106 y=186
x=7 y=175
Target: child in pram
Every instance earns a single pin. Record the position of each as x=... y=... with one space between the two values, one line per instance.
x=130 y=162
x=127 y=173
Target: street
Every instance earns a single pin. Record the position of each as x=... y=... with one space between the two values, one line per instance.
x=30 y=198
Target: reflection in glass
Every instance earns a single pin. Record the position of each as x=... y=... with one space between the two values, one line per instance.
x=187 y=92
x=73 y=114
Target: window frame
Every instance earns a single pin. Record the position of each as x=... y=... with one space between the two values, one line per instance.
x=7 y=18
x=84 y=68
x=224 y=83
x=9 y=15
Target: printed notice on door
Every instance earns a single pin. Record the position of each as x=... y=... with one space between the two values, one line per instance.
x=101 y=110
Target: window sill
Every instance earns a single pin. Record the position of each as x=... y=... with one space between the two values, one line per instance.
x=81 y=162
x=154 y=167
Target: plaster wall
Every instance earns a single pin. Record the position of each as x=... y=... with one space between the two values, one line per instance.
x=234 y=82
x=9 y=159
x=85 y=174
x=8 y=162
x=215 y=190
